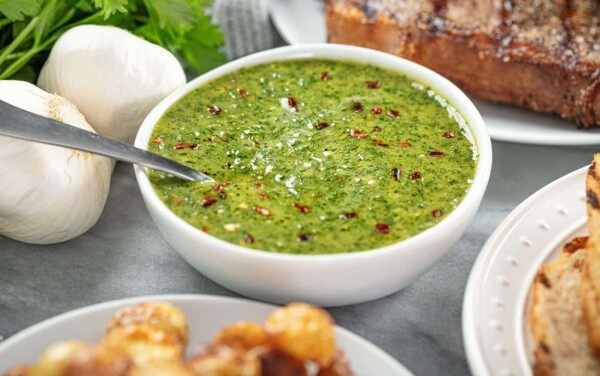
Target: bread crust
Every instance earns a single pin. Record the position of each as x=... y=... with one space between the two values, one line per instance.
x=550 y=64
x=590 y=288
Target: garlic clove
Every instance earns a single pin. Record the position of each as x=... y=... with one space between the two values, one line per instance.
x=48 y=194
x=113 y=77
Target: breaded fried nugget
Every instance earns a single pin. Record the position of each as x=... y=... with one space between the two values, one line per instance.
x=145 y=344
x=162 y=315
x=302 y=331
x=242 y=335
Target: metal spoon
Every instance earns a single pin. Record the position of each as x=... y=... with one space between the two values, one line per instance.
x=18 y=123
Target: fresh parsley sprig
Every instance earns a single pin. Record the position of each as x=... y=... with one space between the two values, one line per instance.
x=29 y=28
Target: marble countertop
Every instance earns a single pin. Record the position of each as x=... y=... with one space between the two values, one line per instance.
x=123 y=255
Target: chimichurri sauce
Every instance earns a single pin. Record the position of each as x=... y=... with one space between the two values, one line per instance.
x=314 y=157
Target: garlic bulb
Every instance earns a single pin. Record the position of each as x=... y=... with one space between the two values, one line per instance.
x=48 y=194
x=113 y=77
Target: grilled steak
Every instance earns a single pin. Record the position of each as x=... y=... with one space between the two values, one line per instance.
x=539 y=54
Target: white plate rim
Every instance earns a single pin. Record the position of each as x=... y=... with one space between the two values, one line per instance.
x=500 y=129
x=31 y=331
x=473 y=349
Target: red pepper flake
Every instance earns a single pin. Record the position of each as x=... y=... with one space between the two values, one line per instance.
x=243 y=93
x=157 y=140
x=210 y=139
x=263 y=195
x=376 y=111
x=405 y=144
x=214 y=110
x=357 y=107
x=186 y=146
x=218 y=187
x=373 y=84
x=248 y=238
x=436 y=154
x=304 y=237
x=204 y=229
x=357 y=134
x=415 y=175
x=348 y=215
x=258 y=184
x=180 y=201
x=392 y=113
x=376 y=129
x=304 y=209
x=325 y=76
x=448 y=135
x=436 y=213
x=382 y=228
x=380 y=143
x=262 y=211
x=222 y=137
x=225 y=184
x=322 y=125
x=292 y=103
x=208 y=200
x=395 y=172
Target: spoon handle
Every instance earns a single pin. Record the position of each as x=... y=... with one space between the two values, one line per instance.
x=18 y=123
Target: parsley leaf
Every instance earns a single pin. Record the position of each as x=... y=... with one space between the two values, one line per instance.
x=29 y=28
x=110 y=7
x=16 y=10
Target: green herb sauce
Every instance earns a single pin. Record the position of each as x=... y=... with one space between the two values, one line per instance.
x=315 y=157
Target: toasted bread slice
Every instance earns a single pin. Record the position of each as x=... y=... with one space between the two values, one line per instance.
x=559 y=331
x=590 y=288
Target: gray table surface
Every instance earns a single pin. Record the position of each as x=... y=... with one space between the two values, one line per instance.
x=124 y=256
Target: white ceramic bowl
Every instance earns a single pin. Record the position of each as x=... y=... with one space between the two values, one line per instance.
x=327 y=280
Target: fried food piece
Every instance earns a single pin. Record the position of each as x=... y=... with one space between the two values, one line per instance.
x=145 y=344
x=97 y=361
x=590 y=286
x=278 y=363
x=160 y=369
x=340 y=366
x=242 y=335
x=55 y=358
x=162 y=315
x=24 y=370
x=225 y=361
x=77 y=358
x=302 y=331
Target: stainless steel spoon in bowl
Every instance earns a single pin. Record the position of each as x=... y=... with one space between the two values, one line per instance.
x=18 y=123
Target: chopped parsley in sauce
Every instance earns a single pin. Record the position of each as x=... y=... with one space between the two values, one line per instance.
x=301 y=168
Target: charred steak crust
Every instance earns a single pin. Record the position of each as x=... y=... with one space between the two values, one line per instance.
x=542 y=55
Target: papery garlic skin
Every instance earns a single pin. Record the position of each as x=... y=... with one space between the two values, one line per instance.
x=48 y=194
x=113 y=77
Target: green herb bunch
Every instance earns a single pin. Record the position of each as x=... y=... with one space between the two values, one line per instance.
x=29 y=28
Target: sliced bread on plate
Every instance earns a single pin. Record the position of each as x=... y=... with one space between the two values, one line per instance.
x=590 y=288
x=557 y=323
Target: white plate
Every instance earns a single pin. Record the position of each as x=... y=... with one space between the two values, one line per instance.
x=206 y=316
x=303 y=21
x=495 y=326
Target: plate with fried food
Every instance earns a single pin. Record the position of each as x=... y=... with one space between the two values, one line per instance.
x=528 y=66
x=192 y=335
x=532 y=302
